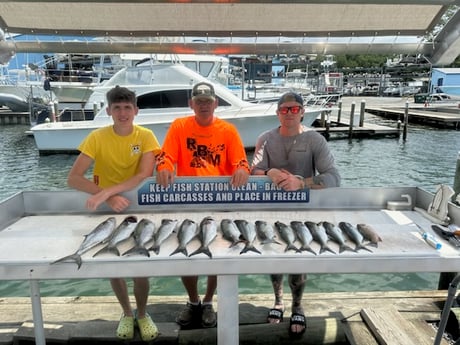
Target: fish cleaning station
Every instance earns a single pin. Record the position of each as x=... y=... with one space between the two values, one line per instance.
x=55 y=224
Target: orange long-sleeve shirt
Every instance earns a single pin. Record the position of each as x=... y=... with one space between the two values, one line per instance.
x=195 y=150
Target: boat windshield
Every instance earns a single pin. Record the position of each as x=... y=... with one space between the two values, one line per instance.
x=148 y=75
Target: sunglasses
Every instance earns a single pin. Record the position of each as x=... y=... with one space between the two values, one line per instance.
x=294 y=110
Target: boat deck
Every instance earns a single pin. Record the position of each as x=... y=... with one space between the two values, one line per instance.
x=394 y=317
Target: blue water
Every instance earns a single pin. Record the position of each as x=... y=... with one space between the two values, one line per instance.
x=426 y=159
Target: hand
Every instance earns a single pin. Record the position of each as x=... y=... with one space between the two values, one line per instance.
x=117 y=202
x=239 y=178
x=164 y=178
x=285 y=180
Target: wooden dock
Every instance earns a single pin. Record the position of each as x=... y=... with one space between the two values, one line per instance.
x=434 y=117
x=8 y=117
x=368 y=130
x=361 y=318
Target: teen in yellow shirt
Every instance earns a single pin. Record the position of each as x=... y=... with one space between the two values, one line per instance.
x=123 y=155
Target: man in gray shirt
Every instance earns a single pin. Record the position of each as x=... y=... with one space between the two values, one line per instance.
x=294 y=157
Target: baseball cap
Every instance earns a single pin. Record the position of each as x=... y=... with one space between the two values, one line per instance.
x=203 y=90
x=290 y=97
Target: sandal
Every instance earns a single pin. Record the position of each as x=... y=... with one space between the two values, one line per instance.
x=147 y=328
x=297 y=319
x=275 y=314
x=125 y=329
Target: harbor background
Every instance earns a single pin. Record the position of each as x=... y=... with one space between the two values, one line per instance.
x=426 y=159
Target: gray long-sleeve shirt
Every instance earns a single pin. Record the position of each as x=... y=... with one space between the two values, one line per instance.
x=306 y=154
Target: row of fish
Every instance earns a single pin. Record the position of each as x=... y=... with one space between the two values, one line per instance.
x=235 y=231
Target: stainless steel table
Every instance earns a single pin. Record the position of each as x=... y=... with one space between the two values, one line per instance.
x=34 y=233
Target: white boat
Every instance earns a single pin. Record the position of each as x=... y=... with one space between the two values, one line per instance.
x=75 y=76
x=163 y=92
x=25 y=97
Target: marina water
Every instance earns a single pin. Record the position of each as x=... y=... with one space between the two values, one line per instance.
x=426 y=159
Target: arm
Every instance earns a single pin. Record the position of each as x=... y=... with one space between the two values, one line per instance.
x=111 y=194
x=76 y=177
x=328 y=174
x=167 y=158
x=239 y=160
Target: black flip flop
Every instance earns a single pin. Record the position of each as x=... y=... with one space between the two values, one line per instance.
x=275 y=314
x=297 y=319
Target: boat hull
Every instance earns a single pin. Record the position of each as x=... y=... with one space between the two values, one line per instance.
x=65 y=137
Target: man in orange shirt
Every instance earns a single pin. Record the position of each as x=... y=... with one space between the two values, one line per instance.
x=202 y=145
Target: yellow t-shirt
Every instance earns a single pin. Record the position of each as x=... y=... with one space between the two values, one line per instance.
x=116 y=158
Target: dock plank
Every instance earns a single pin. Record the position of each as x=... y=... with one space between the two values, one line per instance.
x=390 y=328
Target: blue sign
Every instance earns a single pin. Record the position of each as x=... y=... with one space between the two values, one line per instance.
x=217 y=190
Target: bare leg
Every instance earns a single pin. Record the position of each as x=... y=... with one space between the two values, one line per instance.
x=210 y=289
x=141 y=293
x=277 y=283
x=121 y=292
x=191 y=285
x=297 y=285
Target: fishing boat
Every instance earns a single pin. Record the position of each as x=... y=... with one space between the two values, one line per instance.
x=163 y=91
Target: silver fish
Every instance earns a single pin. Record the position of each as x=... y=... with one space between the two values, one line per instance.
x=353 y=233
x=304 y=235
x=188 y=230
x=319 y=235
x=369 y=234
x=288 y=236
x=265 y=232
x=336 y=234
x=165 y=230
x=143 y=233
x=207 y=234
x=248 y=232
x=230 y=232
x=120 y=234
x=100 y=234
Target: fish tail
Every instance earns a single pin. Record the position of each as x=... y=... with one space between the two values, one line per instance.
x=204 y=250
x=180 y=249
x=137 y=250
x=74 y=257
x=234 y=243
x=155 y=248
x=326 y=248
x=360 y=246
x=250 y=247
x=113 y=250
x=344 y=247
x=307 y=248
x=292 y=247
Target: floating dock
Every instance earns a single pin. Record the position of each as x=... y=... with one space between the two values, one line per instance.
x=438 y=117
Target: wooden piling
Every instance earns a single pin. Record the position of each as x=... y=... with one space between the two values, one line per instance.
x=339 y=111
x=352 y=115
x=361 y=113
x=406 y=120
